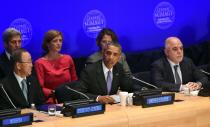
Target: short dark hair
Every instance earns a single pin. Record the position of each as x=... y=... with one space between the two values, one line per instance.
x=48 y=37
x=115 y=44
x=106 y=31
x=9 y=33
x=17 y=56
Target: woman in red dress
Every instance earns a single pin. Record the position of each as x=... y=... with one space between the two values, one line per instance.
x=54 y=68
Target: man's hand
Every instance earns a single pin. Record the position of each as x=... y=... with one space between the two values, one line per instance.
x=105 y=99
x=193 y=85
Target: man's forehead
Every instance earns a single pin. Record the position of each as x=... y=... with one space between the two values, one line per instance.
x=15 y=37
x=113 y=48
x=175 y=43
x=26 y=55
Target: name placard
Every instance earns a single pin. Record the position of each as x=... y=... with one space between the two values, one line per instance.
x=17 y=120
x=79 y=110
x=157 y=100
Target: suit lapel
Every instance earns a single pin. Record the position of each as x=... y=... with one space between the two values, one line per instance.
x=183 y=69
x=30 y=90
x=101 y=78
x=17 y=91
x=6 y=63
x=115 y=79
x=169 y=71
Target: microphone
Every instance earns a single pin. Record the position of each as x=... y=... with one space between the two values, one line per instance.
x=205 y=72
x=80 y=93
x=2 y=87
x=87 y=100
x=148 y=84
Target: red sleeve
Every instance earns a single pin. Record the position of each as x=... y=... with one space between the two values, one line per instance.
x=73 y=72
x=40 y=75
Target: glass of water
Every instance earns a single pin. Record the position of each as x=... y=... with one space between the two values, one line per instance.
x=187 y=91
x=51 y=110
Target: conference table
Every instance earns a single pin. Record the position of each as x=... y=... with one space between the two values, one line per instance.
x=187 y=111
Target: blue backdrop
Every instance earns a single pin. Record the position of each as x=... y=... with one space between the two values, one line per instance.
x=140 y=24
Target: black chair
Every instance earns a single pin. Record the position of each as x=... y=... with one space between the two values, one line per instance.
x=205 y=91
x=64 y=94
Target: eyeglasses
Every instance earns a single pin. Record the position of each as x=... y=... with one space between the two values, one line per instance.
x=25 y=62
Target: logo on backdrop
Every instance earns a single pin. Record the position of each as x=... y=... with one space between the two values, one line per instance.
x=164 y=15
x=24 y=26
x=93 y=23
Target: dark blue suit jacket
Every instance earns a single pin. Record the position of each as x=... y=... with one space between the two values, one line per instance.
x=162 y=75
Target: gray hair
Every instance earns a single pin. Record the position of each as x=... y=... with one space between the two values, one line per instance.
x=9 y=33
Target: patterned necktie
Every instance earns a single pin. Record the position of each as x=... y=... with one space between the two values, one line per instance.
x=24 y=89
x=178 y=80
x=109 y=81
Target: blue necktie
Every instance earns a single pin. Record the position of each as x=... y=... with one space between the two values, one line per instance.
x=24 y=89
x=109 y=81
x=178 y=80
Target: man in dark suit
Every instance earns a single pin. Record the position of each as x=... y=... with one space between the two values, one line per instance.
x=174 y=71
x=12 y=40
x=20 y=85
x=95 y=78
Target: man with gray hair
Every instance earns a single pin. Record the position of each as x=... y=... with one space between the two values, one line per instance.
x=174 y=71
x=21 y=86
x=11 y=41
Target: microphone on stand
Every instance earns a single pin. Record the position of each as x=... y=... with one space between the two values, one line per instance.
x=205 y=72
x=70 y=106
x=2 y=87
x=146 y=83
x=137 y=96
x=86 y=100
x=69 y=88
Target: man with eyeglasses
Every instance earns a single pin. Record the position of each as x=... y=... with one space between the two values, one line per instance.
x=102 y=79
x=11 y=41
x=22 y=87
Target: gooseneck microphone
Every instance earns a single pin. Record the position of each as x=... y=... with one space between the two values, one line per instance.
x=148 y=84
x=2 y=87
x=205 y=72
x=69 y=88
x=87 y=100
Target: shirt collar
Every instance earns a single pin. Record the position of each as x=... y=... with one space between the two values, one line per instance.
x=19 y=79
x=172 y=63
x=105 y=69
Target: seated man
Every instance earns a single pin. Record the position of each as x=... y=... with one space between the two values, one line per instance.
x=103 y=78
x=105 y=36
x=174 y=72
x=22 y=88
